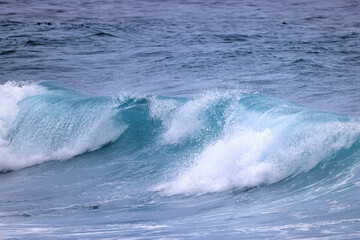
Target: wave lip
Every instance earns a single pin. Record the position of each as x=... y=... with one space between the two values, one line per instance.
x=11 y=94
x=56 y=123
x=185 y=119
x=263 y=141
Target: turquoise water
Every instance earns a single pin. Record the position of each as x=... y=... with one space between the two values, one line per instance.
x=174 y=120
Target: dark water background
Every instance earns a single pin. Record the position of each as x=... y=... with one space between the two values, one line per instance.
x=185 y=147
x=307 y=51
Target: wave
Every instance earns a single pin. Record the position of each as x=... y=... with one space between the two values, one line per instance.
x=220 y=140
x=258 y=140
x=47 y=121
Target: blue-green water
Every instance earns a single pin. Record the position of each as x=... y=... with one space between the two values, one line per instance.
x=180 y=119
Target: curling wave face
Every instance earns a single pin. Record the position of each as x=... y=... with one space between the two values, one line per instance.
x=47 y=121
x=217 y=141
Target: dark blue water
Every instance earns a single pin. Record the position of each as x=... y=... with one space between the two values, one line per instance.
x=180 y=119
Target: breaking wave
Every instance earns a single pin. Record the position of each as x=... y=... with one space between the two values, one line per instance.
x=222 y=140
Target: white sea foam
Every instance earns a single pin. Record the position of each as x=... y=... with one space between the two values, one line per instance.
x=245 y=157
x=182 y=121
x=10 y=94
x=186 y=122
x=40 y=136
x=29 y=155
x=234 y=161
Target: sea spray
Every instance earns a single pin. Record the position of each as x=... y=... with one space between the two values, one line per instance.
x=54 y=123
x=235 y=140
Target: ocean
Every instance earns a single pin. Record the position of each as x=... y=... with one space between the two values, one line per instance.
x=179 y=119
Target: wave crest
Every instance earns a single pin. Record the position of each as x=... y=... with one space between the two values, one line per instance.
x=263 y=142
x=53 y=123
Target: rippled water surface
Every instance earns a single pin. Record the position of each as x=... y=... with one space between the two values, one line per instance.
x=180 y=119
